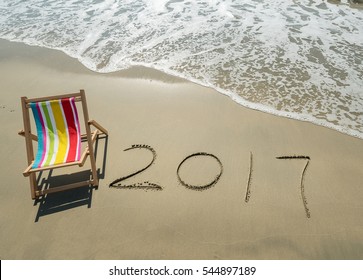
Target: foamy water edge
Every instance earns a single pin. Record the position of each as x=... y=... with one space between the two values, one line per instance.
x=235 y=97
x=298 y=59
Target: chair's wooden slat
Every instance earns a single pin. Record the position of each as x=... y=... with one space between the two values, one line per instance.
x=30 y=170
x=65 y=187
x=77 y=97
x=89 y=139
x=28 y=144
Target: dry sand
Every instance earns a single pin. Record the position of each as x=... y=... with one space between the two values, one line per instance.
x=176 y=118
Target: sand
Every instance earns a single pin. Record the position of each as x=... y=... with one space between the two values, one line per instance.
x=175 y=119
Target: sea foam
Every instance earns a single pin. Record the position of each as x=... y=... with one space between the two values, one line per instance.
x=299 y=59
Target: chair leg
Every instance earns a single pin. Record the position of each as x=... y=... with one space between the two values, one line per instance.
x=94 y=169
x=33 y=185
x=92 y=158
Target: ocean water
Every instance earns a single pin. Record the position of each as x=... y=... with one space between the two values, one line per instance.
x=296 y=58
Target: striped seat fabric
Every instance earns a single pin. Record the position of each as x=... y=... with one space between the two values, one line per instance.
x=59 y=137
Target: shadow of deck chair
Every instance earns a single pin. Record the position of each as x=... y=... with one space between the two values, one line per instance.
x=59 y=138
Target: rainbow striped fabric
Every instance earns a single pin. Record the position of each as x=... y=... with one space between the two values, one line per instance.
x=59 y=137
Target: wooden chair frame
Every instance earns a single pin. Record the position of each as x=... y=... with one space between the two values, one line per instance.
x=89 y=136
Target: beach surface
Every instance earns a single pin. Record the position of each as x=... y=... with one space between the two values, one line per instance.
x=176 y=119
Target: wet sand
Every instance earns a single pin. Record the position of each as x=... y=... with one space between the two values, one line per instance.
x=176 y=119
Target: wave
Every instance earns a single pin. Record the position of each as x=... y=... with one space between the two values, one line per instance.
x=298 y=59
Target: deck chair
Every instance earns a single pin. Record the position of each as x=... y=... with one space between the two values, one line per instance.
x=59 y=138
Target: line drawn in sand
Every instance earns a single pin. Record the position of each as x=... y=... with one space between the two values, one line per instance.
x=302 y=187
x=249 y=181
x=200 y=187
x=144 y=185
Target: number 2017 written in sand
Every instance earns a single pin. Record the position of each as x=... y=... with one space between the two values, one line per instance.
x=152 y=186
